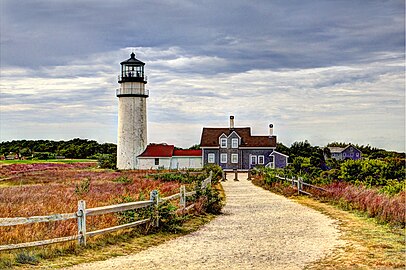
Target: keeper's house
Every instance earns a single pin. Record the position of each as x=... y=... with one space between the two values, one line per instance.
x=236 y=149
x=157 y=156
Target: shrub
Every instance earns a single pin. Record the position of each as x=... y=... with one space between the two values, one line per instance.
x=132 y=215
x=123 y=179
x=82 y=187
x=26 y=258
x=384 y=208
x=270 y=176
x=393 y=187
x=217 y=172
x=180 y=177
x=213 y=202
x=169 y=220
x=107 y=161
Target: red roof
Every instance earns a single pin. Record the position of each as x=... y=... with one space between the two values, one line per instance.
x=158 y=150
x=188 y=153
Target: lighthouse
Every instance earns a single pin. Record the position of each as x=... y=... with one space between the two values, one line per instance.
x=132 y=113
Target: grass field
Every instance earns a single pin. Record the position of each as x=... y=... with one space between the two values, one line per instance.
x=37 y=189
x=44 y=188
x=15 y=161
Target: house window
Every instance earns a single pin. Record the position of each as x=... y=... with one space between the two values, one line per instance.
x=234 y=143
x=210 y=158
x=357 y=154
x=261 y=160
x=223 y=158
x=223 y=142
x=234 y=158
x=253 y=160
x=157 y=161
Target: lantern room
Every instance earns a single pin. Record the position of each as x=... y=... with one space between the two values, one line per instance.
x=132 y=70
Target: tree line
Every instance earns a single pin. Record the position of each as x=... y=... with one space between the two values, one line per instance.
x=317 y=154
x=47 y=149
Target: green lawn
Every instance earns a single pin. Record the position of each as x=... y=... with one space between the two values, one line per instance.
x=45 y=161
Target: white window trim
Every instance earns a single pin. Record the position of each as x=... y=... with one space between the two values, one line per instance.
x=263 y=160
x=211 y=158
x=234 y=156
x=223 y=158
x=256 y=160
x=234 y=140
x=221 y=142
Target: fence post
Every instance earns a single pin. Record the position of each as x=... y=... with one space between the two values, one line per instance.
x=81 y=214
x=299 y=185
x=249 y=175
x=235 y=175
x=182 y=196
x=153 y=196
x=224 y=176
x=293 y=181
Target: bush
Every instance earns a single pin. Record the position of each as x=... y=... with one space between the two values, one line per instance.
x=132 y=215
x=384 y=208
x=123 y=179
x=26 y=258
x=184 y=178
x=217 y=172
x=213 y=202
x=82 y=187
x=107 y=161
x=393 y=187
x=169 y=220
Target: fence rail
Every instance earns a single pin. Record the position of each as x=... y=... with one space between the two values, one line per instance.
x=299 y=184
x=82 y=213
x=35 y=219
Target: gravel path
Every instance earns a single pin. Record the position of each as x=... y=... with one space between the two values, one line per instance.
x=259 y=230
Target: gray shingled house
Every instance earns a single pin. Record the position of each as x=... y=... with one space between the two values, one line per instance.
x=235 y=148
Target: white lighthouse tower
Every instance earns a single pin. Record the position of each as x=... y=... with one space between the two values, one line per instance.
x=132 y=113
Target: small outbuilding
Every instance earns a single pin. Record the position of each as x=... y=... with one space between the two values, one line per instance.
x=164 y=156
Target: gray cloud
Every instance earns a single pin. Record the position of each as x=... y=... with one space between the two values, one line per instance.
x=319 y=70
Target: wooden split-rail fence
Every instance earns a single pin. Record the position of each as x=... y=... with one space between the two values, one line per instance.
x=298 y=182
x=84 y=212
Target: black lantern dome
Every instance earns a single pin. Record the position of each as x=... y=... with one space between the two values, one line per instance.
x=132 y=70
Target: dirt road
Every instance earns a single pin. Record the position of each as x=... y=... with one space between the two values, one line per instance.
x=259 y=230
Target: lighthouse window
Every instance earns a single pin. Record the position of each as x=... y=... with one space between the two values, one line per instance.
x=157 y=161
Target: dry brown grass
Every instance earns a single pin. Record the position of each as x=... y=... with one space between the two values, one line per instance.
x=369 y=245
x=54 y=189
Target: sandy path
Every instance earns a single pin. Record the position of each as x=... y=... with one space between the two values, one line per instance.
x=259 y=230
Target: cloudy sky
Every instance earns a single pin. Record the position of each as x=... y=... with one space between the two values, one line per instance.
x=318 y=70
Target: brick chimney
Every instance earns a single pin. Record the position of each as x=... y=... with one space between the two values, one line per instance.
x=231 y=121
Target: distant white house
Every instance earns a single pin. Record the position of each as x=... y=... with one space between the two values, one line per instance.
x=167 y=157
